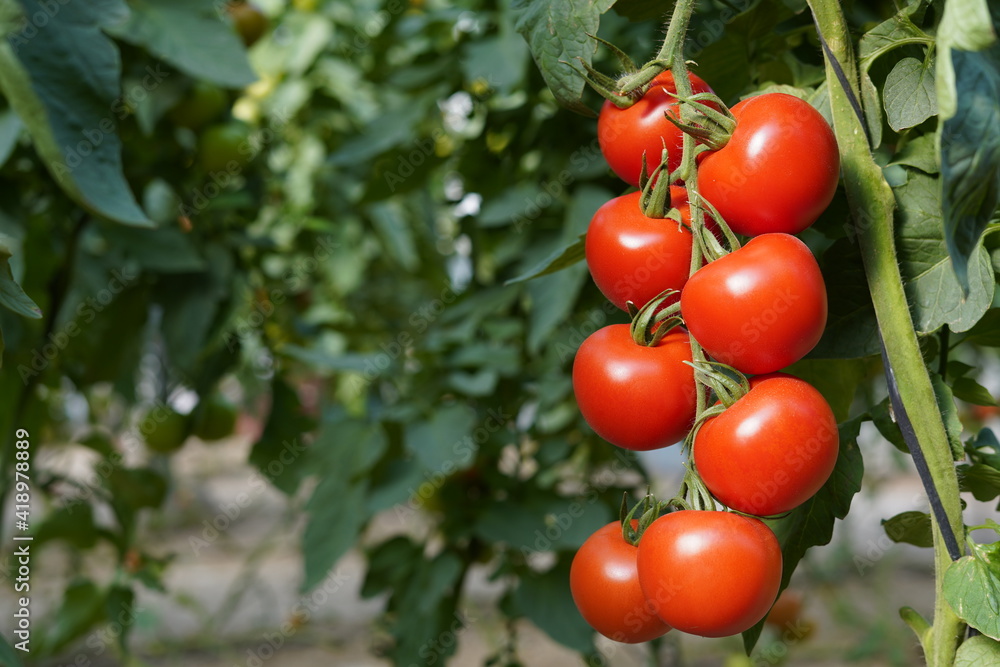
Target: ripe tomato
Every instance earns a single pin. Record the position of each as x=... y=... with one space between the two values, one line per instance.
x=778 y=171
x=771 y=450
x=711 y=574
x=625 y=133
x=634 y=258
x=634 y=396
x=605 y=587
x=759 y=308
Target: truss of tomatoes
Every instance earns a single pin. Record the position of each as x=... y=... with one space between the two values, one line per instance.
x=757 y=309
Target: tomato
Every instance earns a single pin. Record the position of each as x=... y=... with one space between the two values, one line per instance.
x=624 y=134
x=759 y=308
x=216 y=418
x=605 y=587
x=202 y=104
x=779 y=170
x=634 y=258
x=225 y=147
x=633 y=396
x=711 y=574
x=164 y=430
x=771 y=450
x=248 y=19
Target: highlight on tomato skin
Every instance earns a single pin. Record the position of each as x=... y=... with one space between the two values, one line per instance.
x=604 y=583
x=636 y=397
x=709 y=573
x=770 y=451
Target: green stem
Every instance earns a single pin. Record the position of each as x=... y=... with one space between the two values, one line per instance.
x=872 y=203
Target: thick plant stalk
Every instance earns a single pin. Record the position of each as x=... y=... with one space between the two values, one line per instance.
x=872 y=203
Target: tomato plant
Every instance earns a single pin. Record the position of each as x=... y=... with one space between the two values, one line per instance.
x=712 y=574
x=626 y=134
x=635 y=396
x=771 y=450
x=633 y=257
x=775 y=304
x=605 y=586
x=778 y=171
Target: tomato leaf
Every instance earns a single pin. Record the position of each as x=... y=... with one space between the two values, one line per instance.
x=872 y=106
x=949 y=413
x=909 y=94
x=811 y=524
x=978 y=651
x=286 y=425
x=192 y=36
x=980 y=479
x=892 y=33
x=970 y=391
x=560 y=259
x=970 y=159
x=986 y=331
x=10 y=132
x=64 y=84
x=11 y=294
x=545 y=598
x=932 y=288
x=972 y=588
x=81 y=608
x=919 y=153
x=644 y=10
x=557 y=32
x=444 y=440
x=910 y=528
x=851 y=327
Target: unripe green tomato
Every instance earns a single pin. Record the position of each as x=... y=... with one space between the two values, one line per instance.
x=216 y=418
x=165 y=431
x=203 y=103
x=225 y=147
x=248 y=20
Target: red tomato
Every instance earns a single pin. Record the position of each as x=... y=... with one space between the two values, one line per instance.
x=712 y=574
x=771 y=450
x=605 y=587
x=634 y=396
x=759 y=308
x=625 y=133
x=779 y=170
x=634 y=258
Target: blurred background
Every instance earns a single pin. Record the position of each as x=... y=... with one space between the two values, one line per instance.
x=316 y=416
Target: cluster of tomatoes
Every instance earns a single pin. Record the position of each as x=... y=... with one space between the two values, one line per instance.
x=770 y=442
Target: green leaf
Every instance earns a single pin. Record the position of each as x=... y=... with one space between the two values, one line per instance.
x=966 y=25
x=978 y=651
x=137 y=487
x=909 y=94
x=192 y=36
x=444 y=441
x=910 y=527
x=883 y=419
x=336 y=513
x=546 y=600
x=283 y=438
x=811 y=524
x=397 y=237
x=121 y=612
x=499 y=61
x=644 y=10
x=63 y=83
x=542 y=523
x=933 y=290
x=838 y=380
x=970 y=158
x=73 y=523
x=890 y=34
x=82 y=607
x=557 y=32
x=919 y=153
x=518 y=205
x=970 y=391
x=11 y=294
x=10 y=132
x=8 y=656
x=986 y=331
x=980 y=479
x=972 y=588
x=873 y=109
x=560 y=259
x=851 y=327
